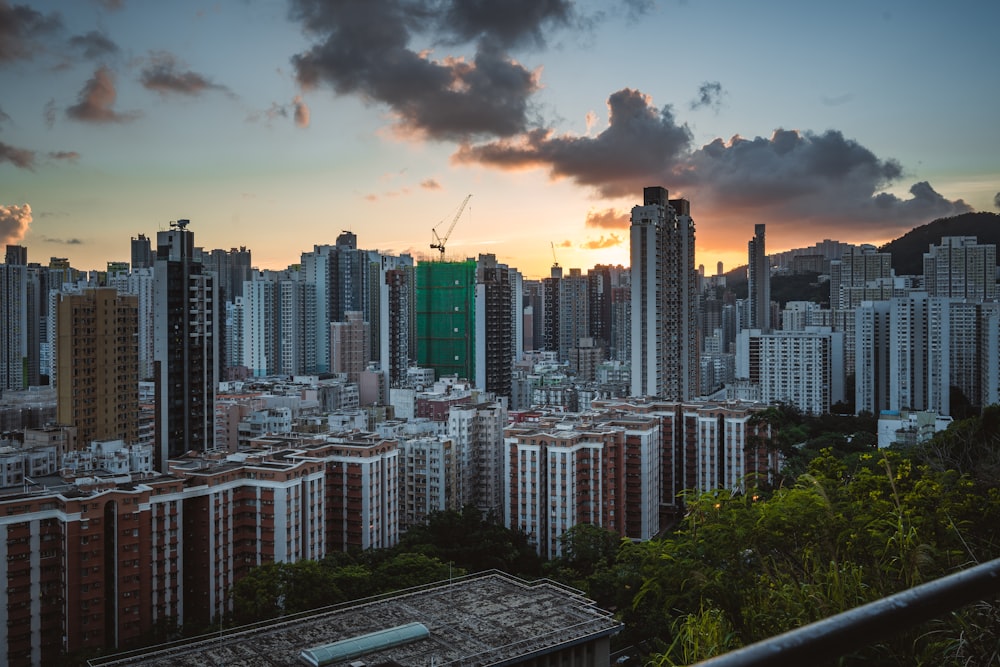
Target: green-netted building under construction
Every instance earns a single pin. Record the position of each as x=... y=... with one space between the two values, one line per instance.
x=446 y=297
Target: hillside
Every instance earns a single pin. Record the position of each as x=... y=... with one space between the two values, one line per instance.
x=908 y=250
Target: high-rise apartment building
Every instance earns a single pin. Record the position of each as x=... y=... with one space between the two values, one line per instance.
x=664 y=298
x=97 y=354
x=800 y=368
x=349 y=344
x=605 y=473
x=398 y=324
x=13 y=327
x=759 y=281
x=477 y=433
x=574 y=311
x=495 y=326
x=186 y=344
x=961 y=267
x=139 y=283
x=142 y=252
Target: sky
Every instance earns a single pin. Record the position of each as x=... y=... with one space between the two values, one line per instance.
x=276 y=124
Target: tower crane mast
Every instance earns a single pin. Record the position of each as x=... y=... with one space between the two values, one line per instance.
x=440 y=241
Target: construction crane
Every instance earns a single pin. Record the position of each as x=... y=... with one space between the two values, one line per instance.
x=555 y=262
x=439 y=241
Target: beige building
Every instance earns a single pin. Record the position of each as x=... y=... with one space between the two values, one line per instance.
x=97 y=356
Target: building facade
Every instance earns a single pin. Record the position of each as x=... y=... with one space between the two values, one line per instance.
x=664 y=298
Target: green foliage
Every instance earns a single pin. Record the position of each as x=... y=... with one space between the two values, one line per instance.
x=473 y=542
x=278 y=589
x=849 y=530
x=449 y=545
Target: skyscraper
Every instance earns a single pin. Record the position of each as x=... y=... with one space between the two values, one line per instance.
x=97 y=353
x=186 y=346
x=759 y=281
x=142 y=252
x=13 y=327
x=494 y=326
x=664 y=298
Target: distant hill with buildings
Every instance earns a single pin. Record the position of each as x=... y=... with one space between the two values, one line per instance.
x=908 y=250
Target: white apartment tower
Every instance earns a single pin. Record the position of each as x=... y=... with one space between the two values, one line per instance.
x=664 y=298
x=961 y=267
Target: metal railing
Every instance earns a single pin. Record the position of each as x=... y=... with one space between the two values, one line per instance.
x=853 y=629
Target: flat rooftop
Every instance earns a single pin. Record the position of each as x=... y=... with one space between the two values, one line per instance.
x=489 y=619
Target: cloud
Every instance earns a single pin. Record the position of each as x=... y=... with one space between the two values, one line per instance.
x=430 y=184
x=96 y=99
x=19 y=157
x=301 y=112
x=363 y=49
x=111 y=5
x=69 y=241
x=3 y=116
x=71 y=156
x=94 y=45
x=163 y=74
x=609 y=218
x=565 y=244
x=14 y=223
x=510 y=23
x=709 y=95
x=22 y=29
x=796 y=182
x=638 y=8
x=640 y=145
x=838 y=100
x=609 y=242
x=996 y=200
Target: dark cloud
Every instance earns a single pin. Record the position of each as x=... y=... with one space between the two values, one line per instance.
x=165 y=75
x=609 y=218
x=301 y=112
x=267 y=115
x=796 y=180
x=996 y=200
x=71 y=156
x=509 y=23
x=22 y=30
x=363 y=49
x=14 y=223
x=640 y=145
x=19 y=157
x=709 y=95
x=3 y=116
x=430 y=184
x=597 y=244
x=96 y=99
x=111 y=5
x=69 y=241
x=94 y=45
x=636 y=9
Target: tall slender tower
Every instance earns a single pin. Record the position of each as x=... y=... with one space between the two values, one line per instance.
x=664 y=298
x=186 y=346
x=759 y=281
